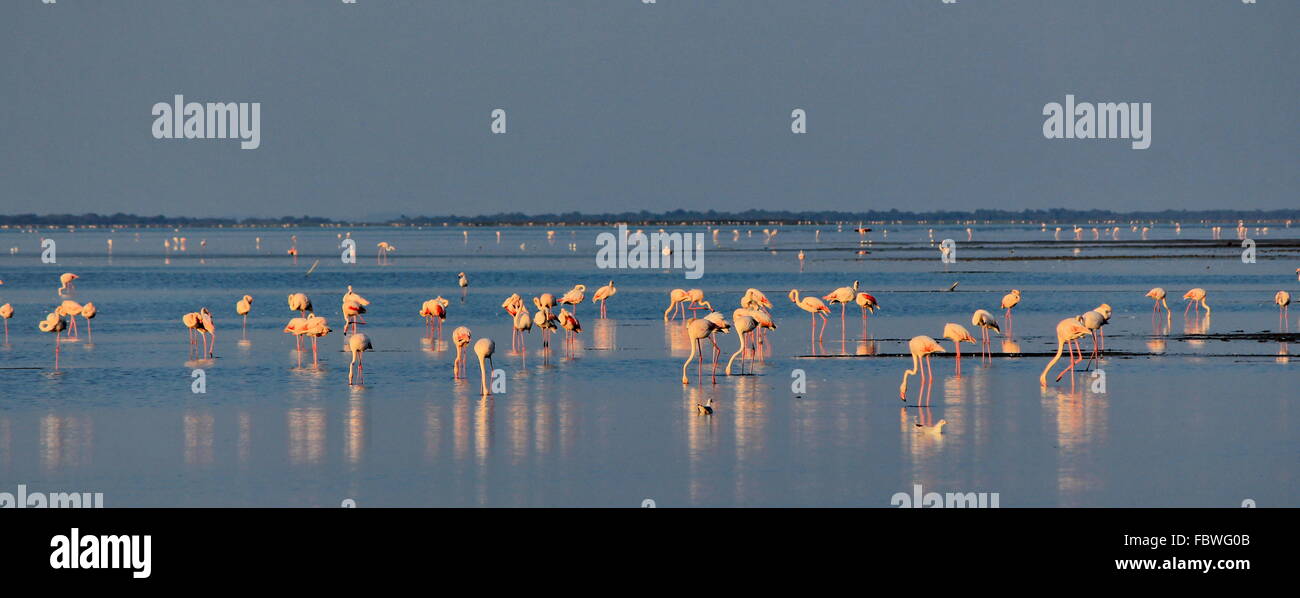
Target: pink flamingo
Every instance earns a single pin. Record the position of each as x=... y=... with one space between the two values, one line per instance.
x=1009 y=301
x=358 y=344
x=813 y=306
x=958 y=335
x=602 y=295
x=1068 y=331
x=53 y=323
x=921 y=347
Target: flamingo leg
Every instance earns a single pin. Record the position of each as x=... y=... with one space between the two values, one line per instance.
x=958 y=345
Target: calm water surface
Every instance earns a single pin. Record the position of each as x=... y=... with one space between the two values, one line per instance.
x=1200 y=414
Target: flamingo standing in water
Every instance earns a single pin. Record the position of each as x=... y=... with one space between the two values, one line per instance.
x=53 y=323
x=242 y=307
x=384 y=248
x=435 y=313
x=523 y=323
x=571 y=327
x=921 y=347
x=958 y=335
x=358 y=344
x=351 y=313
x=6 y=312
x=316 y=328
x=460 y=337
x=676 y=301
x=985 y=321
x=813 y=306
x=205 y=317
x=1158 y=294
x=1282 y=299
x=745 y=324
x=352 y=297
x=545 y=320
x=1093 y=321
x=1068 y=331
x=463 y=281
x=842 y=296
x=1009 y=301
x=602 y=295
x=71 y=309
x=697 y=300
x=300 y=303
x=574 y=297
x=698 y=329
x=1196 y=297
x=65 y=282
x=867 y=302
x=298 y=328
x=484 y=348
x=89 y=311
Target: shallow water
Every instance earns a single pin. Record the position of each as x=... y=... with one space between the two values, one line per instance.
x=1190 y=416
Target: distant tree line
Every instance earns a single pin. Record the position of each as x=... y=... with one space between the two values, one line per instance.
x=645 y=217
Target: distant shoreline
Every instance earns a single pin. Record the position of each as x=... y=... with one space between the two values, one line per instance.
x=672 y=218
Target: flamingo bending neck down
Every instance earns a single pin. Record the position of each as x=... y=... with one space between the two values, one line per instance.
x=53 y=322
x=958 y=335
x=1196 y=297
x=921 y=347
x=358 y=344
x=745 y=324
x=460 y=337
x=1068 y=331
x=985 y=321
x=698 y=329
x=484 y=348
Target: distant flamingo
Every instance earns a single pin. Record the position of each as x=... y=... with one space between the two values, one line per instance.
x=985 y=321
x=65 y=282
x=1009 y=301
x=696 y=331
x=958 y=335
x=813 y=306
x=602 y=295
x=1196 y=297
x=1070 y=331
x=1282 y=299
x=242 y=307
x=6 y=312
x=484 y=348
x=921 y=347
x=460 y=337
x=358 y=344
x=53 y=323
x=744 y=324
x=384 y=249
x=463 y=281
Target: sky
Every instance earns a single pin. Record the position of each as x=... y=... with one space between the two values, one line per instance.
x=384 y=107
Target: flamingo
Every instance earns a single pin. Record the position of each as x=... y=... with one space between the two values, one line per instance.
x=65 y=282
x=88 y=311
x=842 y=296
x=1158 y=294
x=460 y=337
x=512 y=304
x=205 y=317
x=300 y=303
x=958 y=335
x=298 y=328
x=358 y=344
x=1009 y=301
x=574 y=297
x=755 y=299
x=242 y=307
x=316 y=328
x=434 y=312
x=571 y=328
x=744 y=324
x=484 y=348
x=1068 y=330
x=867 y=303
x=71 y=309
x=985 y=321
x=381 y=257
x=813 y=306
x=351 y=313
x=523 y=323
x=1282 y=299
x=545 y=320
x=352 y=297
x=193 y=322
x=1196 y=297
x=698 y=329
x=676 y=299
x=53 y=322
x=602 y=295
x=463 y=281
x=1093 y=321
x=6 y=312
x=921 y=348
x=697 y=300
x=1105 y=311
